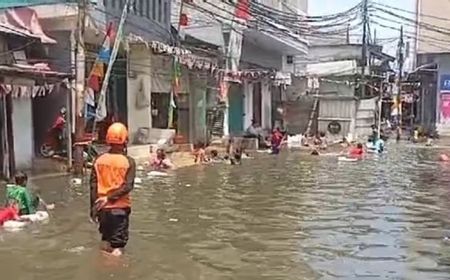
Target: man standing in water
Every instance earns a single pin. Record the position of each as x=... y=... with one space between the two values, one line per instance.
x=112 y=180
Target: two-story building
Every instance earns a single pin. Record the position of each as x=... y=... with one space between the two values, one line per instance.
x=257 y=46
x=431 y=49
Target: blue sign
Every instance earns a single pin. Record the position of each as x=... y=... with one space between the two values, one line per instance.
x=445 y=83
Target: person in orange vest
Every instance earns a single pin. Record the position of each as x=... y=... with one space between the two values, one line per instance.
x=111 y=182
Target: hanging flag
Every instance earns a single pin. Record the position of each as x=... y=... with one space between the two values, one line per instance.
x=241 y=17
x=98 y=69
x=176 y=76
x=172 y=106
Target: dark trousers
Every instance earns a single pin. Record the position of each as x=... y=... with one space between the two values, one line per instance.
x=114 y=226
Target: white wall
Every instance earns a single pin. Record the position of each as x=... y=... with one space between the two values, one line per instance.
x=23 y=132
x=248 y=104
x=266 y=105
x=254 y=53
x=140 y=64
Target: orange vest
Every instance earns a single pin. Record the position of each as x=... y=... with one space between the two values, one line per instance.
x=111 y=172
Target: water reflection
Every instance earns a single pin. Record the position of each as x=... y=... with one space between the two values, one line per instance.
x=286 y=217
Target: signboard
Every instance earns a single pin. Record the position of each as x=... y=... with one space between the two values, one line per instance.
x=334 y=127
x=444 y=86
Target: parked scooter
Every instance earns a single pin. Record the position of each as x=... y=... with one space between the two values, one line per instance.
x=52 y=147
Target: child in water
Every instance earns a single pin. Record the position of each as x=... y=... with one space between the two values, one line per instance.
x=356 y=152
x=160 y=161
x=20 y=200
x=200 y=153
x=215 y=157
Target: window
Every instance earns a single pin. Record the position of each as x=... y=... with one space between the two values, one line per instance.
x=160 y=10
x=122 y=4
x=166 y=12
x=160 y=103
x=154 y=9
x=289 y=59
x=113 y=3
x=147 y=9
x=141 y=7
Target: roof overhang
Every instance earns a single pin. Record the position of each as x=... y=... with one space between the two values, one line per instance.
x=334 y=68
x=24 y=22
x=32 y=73
x=280 y=42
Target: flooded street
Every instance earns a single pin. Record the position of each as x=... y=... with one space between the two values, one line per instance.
x=277 y=217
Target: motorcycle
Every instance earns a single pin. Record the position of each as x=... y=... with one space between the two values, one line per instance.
x=51 y=147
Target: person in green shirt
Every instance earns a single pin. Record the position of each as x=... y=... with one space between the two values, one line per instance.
x=20 y=196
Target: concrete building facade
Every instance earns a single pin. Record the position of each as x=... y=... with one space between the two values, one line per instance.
x=433 y=37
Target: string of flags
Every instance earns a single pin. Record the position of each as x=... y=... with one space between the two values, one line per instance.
x=19 y=91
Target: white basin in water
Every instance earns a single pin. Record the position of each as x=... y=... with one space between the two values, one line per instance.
x=347 y=159
x=157 y=174
x=39 y=217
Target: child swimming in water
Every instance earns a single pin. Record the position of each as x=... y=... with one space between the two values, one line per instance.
x=20 y=195
x=20 y=200
x=160 y=161
x=356 y=152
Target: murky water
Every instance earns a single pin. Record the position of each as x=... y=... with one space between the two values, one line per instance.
x=285 y=217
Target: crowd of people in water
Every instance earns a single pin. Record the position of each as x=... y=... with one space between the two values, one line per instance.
x=114 y=173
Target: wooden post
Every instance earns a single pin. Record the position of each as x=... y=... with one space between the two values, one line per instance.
x=10 y=135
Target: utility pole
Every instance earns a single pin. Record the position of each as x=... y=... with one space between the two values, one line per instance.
x=79 y=85
x=364 y=48
x=399 y=82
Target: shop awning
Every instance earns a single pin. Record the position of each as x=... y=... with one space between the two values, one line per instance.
x=23 y=22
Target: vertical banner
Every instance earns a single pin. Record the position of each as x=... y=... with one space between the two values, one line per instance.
x=238 y=25
x=444 y=90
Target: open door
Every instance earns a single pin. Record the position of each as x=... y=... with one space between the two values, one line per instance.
x=236 y=109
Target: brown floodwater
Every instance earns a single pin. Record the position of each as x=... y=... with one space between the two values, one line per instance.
x=276 y=217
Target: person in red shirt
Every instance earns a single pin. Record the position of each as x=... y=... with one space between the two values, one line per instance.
x=276 y=141
x=59 y=126
x=356 y=152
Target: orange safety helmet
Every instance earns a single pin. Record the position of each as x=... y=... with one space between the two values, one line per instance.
x=117 y=134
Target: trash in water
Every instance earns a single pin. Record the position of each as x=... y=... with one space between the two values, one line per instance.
x=188 y=185
x=76 y=181
x=157 y=174
x=173 y=220
x=140 y=168
x=138 y=180
x=76 y=250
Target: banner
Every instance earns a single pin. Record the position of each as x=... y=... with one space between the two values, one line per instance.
x=241 y=16
x=445 y=109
